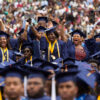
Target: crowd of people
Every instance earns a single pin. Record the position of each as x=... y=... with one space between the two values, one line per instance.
x=49 y=49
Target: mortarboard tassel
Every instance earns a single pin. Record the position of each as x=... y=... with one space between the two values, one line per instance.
x=53 y=92
x=25 y=86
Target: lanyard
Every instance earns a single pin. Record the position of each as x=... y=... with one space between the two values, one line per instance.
x=27 y=60
x=5 y=55
x=51 y=48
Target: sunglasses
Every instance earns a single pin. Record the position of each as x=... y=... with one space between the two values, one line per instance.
x=26 y=51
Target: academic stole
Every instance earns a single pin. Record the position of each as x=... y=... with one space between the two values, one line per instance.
x=0 y=95
x=98 y=98
x=27 y=60
x=51 y=48
x=5 y=55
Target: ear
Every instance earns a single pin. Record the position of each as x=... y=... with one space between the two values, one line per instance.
x=76 y=90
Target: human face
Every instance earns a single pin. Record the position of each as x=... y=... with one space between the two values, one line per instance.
x=27 y=52
x=97 y=39
x=13 y=86
x=67 y=90
x=3 y=41
x=35 y=87
x=51 y=37
x=76 y=39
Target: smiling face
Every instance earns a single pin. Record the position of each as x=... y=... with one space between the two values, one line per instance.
x=77 y=39
x=51 y=37
x=3 y=41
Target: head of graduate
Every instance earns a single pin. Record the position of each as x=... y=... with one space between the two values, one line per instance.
x=13 y=81
x=78 y=37
x=27 y=50
x=36 y=82
x=42 y=21
x=52 y=34
x=3 y=39
x=66 y=85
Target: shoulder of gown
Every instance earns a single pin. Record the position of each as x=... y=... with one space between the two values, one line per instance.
x=91 y=97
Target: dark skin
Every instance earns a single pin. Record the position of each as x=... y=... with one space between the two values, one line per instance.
x=13 y=86
x=27 y=53
x=51 y=37
x=67 y=90
x=35 y=87
x=3 y=42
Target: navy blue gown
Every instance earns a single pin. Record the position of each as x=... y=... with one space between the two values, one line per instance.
x=44 y=47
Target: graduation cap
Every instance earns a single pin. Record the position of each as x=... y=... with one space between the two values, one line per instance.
x=97 y=36
x=36 y=62
x=66 y=76
x=43 y=19
x=4 y=64
x=96 y=55
x=41 y=29
x=18 y=53
x=72 y=68
x=13 y=71
x=4 y=34
x=87 y=78
x=69 y=61
x=48 y=66
x=52 y=30
x=58 y=62
x=78 y=32
x=36 y=72
x=54 y=23
x=28 y=45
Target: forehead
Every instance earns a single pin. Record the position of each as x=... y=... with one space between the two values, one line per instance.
x=12 y=79
x=76 y=35
x=4 y=37
x=37 y=79
x=71 y=83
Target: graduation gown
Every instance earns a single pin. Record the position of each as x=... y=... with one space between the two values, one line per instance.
x=86 y=97
x=44 y=47
x=42 y=98
x=71 y=51
x=22 y=61
x=10 y=55
x=92 y=46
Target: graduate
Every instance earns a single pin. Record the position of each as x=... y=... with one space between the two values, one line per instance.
x=93 y=44
x=5 y=53
x=36 y=83
x=67 y=88
x=53 y=47
x=48 y=66
x=77 y=50
x=85 y=82
x=28 y=53
x=13 y=82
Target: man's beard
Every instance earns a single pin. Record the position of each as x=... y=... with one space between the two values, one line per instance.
x=39 y=94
